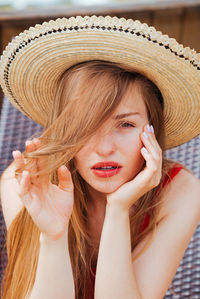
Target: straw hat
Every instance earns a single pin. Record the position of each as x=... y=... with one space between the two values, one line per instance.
x=33 y=62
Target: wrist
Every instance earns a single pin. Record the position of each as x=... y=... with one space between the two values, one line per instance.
x=47 y=239
x=114 y=210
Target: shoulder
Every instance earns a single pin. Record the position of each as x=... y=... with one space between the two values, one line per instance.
x=181 y=215
x=181 y=193
x=10 y=201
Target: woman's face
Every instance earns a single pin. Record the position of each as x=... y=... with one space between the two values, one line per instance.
x=116 y=145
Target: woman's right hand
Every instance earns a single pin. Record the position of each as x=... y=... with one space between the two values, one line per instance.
x=49 y=205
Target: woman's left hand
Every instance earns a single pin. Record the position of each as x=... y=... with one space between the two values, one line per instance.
x=148 y=178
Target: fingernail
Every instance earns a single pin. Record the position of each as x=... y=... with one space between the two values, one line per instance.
x=152 y=129
x=149 y=128
x=14 y=153
x=24 y=173
x=145 y=135
x=27 y=142
x=63 y=167
x=144 y=150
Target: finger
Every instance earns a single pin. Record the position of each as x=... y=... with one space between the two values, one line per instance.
x=37 y=164
x=149 y=128
x=150 y=132
x=147 y=156
x=150 y=145
x=28 y=198
x=37 y=142
x=29 y=146
x=32 y=145
x=41 y=166
x=41 y=163
x=18 y=158
x=65 y=179
x=18 y=163
x=153 y=167
x=152 y=162
x=24 y=184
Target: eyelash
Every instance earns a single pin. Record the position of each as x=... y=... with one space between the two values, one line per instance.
x=127 y=123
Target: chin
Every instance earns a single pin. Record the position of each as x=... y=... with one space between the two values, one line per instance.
x=106 y=188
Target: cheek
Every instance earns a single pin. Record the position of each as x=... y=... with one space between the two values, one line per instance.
x=130 y=142
x=134 y=155
x=131 y=150
x=79 y=158
x=82 y=158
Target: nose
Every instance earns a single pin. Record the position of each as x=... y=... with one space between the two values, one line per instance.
x=105 y=144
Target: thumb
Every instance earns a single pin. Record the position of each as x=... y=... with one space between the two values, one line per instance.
x=65 y=179
x=28 y=198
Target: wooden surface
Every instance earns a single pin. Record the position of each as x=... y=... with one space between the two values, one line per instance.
x=179 y=18
x=119 y=8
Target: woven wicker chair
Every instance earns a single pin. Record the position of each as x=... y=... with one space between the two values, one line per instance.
x=16 y=128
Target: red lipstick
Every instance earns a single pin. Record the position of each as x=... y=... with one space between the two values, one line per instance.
x=106 y=169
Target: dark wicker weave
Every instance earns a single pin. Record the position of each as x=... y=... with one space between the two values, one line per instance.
x=15 y=128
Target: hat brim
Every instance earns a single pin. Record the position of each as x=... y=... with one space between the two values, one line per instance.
x=31 y=67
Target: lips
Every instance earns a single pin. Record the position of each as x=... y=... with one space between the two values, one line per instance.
x=106 y=169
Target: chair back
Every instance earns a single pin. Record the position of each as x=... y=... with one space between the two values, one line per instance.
x=15 y=129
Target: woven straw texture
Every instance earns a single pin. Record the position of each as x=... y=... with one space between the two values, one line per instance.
x=15 y=128
x=33 y=62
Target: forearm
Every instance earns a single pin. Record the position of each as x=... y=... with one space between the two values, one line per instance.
x=115 y=276
x=54 y=278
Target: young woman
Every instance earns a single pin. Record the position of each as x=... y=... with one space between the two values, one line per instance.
x=92 y=207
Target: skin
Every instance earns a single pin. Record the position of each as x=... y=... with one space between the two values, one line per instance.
x=118 y=140
x=122 y=143
x=49 y=204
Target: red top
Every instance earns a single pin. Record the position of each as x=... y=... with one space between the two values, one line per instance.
x=173 y=172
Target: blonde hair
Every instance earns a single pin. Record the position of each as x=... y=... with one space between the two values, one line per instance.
x=63 y=136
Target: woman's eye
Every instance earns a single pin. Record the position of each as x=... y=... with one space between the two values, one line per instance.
x=127 y=125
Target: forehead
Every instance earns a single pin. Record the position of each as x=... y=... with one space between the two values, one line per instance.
x=132 y=100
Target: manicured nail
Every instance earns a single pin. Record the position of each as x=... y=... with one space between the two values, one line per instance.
x=15 y=153
x=152 y=129
x=24 y=173
x=145 y=135
x=149 y=128
x=144 y=150
x=63 y=167
x=27 y=142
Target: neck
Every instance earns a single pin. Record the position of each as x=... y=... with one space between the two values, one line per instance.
x=97 y=201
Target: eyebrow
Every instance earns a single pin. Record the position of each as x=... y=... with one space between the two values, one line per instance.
x=120 y=116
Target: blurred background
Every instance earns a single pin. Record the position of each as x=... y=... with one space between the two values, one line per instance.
x=179 y=19
x=22 y=4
